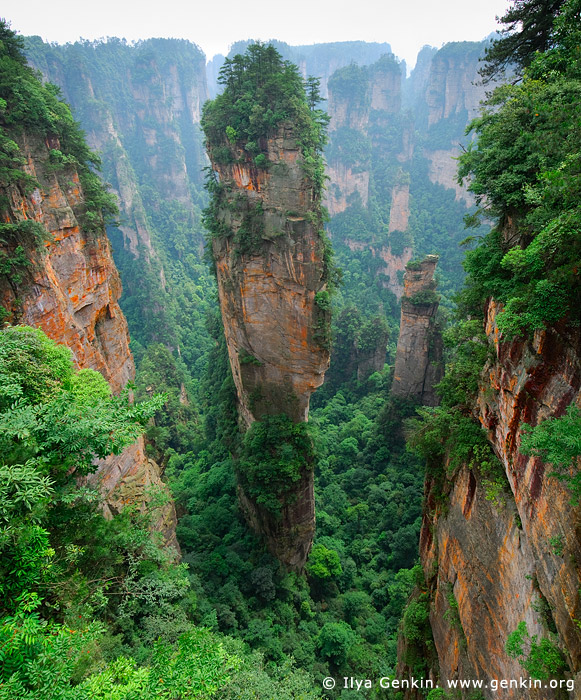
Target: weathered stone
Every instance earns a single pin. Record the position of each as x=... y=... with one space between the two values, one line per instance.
x=443 y=170
x=453 y=87
x=273 y=326
x=501 y=561
x=418 y=359
x=71 y=292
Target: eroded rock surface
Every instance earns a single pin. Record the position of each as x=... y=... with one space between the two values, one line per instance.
x=71 y=291
x=492 y=563
x=418 y=359
x=271 y=274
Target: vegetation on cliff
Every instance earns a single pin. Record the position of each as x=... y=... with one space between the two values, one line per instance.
x=342 y=618
x=264 y=100
x=261 y=92
x=26 y=105
x=114 y=88
x=525 y=171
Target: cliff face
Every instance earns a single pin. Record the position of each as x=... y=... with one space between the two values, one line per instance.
x=369 y=154
x=70 y=289
x=73 y=287
x=491 y=564
x=140 y=108
x=267 y=294
x=418 y=360
x=452 y=87
x=270 y=269
x=320 y=60
x=451 y=99
x=532 y=381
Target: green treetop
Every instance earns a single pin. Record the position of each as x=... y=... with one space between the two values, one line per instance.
x=261 y=91
x=525 y=169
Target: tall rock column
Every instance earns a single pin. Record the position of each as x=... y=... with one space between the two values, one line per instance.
x=418 y=360
x=271 y=266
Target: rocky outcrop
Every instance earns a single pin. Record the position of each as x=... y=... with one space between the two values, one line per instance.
x=451 y=98
x=418 y=360
x=480 y=570
x=492 y=562
x=453 y=87
x=400 y=208
x=361 y=100
x=274 y=326
x=443 y=170
x=70 y=289
x=532 y=381
x=271 y=283
x=140 y=107
x=386 y=78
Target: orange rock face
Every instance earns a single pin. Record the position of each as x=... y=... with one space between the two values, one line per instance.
x=71 y=292
x=270 y=267
x=490 y=566
x=267 y=294
x=532 y=381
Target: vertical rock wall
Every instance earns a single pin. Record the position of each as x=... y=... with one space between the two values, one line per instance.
x=491 y=564
x=272 y=322
x=418 y=360
x=275 y=326
x=70 y=290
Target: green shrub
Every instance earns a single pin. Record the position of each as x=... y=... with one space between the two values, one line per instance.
x=558 y=442
x=276 y=453
x=542 y=659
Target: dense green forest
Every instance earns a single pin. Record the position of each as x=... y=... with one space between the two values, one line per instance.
x=97 y=608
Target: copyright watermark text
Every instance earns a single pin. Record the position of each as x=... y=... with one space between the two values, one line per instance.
x=494 y=684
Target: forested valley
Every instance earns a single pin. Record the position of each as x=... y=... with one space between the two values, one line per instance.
x=330 y=428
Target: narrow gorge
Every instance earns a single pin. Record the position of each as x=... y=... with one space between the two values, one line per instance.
x=290 y=369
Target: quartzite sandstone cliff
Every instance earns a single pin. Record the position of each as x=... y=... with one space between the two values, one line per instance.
x=274 y=322
x=418 y=359
x=71 y=290
x=491 y=564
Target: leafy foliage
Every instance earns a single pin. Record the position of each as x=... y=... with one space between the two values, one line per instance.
x=28 y=104
x=525 y=164
x=275 y=454
x=541 y=659
x=528 y=29
x=558 y=442
x=261 y=91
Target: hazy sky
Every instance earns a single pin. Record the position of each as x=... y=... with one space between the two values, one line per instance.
x=215 y=24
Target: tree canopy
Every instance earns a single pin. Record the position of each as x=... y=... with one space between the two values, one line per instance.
x=529 y=28
x=261 y=90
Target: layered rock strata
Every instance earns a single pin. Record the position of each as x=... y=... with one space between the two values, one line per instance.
x=70 y=289
x=271 y=283
x=492 y=563
x=418 y=360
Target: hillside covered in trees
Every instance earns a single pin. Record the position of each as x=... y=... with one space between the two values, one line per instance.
x=145 y=526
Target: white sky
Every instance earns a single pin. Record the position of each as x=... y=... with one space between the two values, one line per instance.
x=215 y=24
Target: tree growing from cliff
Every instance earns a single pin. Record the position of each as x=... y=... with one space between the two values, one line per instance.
x=529 y=28
x=27 y=103
x=525 y=170
x=261 y=91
